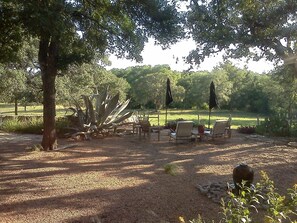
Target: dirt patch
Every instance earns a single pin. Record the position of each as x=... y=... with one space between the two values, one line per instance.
x=122 y=179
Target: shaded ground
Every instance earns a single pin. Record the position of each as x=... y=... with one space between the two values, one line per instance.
x=122 y=179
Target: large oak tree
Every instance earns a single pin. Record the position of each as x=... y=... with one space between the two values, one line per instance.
x=73 y=31
x=244 y=28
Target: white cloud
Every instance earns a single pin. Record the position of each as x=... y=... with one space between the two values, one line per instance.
x=154 y=55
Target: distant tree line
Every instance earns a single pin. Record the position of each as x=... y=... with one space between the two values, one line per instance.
x=71 y=34
x=236 y=88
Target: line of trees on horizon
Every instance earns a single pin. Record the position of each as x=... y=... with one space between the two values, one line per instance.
x=236 y=88
x=73 y=33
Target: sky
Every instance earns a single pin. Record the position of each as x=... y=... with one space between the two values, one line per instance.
x=154 y=55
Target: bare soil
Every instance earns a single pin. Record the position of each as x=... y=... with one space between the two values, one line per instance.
x=122 y=178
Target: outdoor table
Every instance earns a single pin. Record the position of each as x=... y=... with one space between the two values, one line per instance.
x=197 y=135
x=155 y=129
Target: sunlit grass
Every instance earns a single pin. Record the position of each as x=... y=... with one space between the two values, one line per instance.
x=8 y=109
x=239 y=118
x=202 y=117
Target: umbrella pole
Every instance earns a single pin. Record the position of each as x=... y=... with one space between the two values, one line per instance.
x=209 y=118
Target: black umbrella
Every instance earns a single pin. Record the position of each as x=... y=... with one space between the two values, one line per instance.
x=169 y=98
x=212 y=99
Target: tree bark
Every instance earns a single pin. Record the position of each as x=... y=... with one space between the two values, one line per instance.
x=15 y=106
x=48 y=63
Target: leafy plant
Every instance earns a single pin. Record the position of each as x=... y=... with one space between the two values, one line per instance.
x=276 y=125
x=278 y=207
x=238 y=208
x=31 y=125
x=171 y=168
x=101 y=112
x=242 y=208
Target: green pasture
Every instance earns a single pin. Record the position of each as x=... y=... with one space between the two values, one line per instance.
x=8 y=109
x=202 y=116
x=198 y=116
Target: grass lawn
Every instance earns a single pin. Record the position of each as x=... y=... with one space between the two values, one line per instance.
x=201 y=116
x=8 y=109
x=198 y=116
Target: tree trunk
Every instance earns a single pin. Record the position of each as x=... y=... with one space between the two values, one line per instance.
x=48 y=63
x=15 y=106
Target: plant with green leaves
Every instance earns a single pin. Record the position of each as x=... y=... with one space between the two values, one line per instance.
x=238 y=208
x=77 y=31
x=171 y=168
x=101 y=111
x=264 y=194
x=30 y=126
x=244 y=29
x=276 y=125
x=279 y=208
x=243 y=208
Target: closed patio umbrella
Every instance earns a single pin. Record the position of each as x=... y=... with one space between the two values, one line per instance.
x=212 y=100
x=169 y=98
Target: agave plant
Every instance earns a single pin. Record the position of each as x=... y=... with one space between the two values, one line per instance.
x=101 y=111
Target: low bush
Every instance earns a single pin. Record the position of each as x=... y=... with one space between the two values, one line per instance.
x=32 y=125
x=244 y=206
x=247 y=129
x=277 y=125
x=171 y=168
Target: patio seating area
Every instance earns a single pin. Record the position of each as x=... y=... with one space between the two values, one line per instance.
x=185 y=131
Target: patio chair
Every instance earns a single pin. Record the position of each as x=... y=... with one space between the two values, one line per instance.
x=155 y=128
x=182 y=132
x=220 y=129
x=144 y=128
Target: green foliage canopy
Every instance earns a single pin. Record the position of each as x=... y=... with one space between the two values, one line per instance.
x=75 y=31
x=86 y=79
x=148 y=84
x=244 y=28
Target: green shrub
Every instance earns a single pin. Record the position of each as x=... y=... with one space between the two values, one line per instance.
x=244 y=206
x=171 y=168
x=64 y=127
x=277 y=208
x=277 y=125
x=29 y=126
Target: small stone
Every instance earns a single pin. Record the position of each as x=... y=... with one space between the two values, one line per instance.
x=203 y=189
x=292 y=144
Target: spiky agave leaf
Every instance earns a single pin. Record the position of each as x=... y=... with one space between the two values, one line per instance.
x=116 y=121
x=118 y=110
x=90 y=115
x=110 y=107
x=123 y=117
x=103 y=100
x=78 y=111
x=98 y=102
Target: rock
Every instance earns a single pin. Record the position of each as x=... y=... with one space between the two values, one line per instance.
x=292 y=144
x=203 y=189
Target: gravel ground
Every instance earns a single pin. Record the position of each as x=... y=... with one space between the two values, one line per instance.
x=122 y=178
